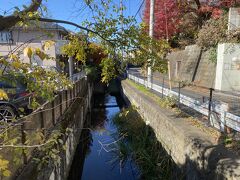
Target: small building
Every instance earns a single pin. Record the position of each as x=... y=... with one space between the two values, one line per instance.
x=17 y=38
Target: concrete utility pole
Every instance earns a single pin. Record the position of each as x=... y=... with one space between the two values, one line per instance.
x=121 y=11
x=151 y=28
x=169 y=65
x=70 y=63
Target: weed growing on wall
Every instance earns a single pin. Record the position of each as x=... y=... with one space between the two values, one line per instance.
x=165 y=102
x=141 y=144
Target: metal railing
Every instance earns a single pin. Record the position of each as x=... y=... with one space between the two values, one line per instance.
x=208 y=104
x=77 y=76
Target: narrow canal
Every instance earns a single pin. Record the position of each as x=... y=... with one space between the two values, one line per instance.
x=97 y=155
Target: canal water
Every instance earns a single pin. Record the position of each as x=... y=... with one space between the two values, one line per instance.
x=97 y=155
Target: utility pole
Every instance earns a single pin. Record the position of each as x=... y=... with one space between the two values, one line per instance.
x=167 y=36
x=121 y=11
x=151 y=30
x=70 y=67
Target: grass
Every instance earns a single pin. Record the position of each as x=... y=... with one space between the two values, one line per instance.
x=165 y=102
x=231 y=143
x=141 y=144
x=171 y=103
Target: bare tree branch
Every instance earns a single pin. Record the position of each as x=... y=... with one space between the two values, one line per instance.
x=76 y=25
x=9 y=21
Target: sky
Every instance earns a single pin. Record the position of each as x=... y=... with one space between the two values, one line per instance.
x=70 y=10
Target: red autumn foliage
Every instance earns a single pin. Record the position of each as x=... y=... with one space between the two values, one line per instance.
x=215 y=8
x=167 y=19
x=169 y=13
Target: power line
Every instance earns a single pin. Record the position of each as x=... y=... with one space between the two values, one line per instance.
x=140 y=7
x=137 y=12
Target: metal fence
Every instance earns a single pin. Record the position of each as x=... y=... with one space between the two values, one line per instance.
x=77 y=76
x=216 y=108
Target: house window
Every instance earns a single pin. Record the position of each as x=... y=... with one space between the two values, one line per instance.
x=5 y=37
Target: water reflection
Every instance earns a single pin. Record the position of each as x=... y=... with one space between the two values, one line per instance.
x=102 y=154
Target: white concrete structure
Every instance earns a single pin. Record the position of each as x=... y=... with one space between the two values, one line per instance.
x=228 y=67
x=228 y=58
x=234 y=18
x=34 y=36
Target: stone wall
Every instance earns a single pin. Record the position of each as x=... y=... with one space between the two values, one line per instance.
x=193 y=66
x=193 y=150
x=206 y=71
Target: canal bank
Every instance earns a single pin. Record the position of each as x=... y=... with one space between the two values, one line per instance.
x=195 y=152
x=116 y=143
x=141 y=144
x=63 y=120
x=99 y=145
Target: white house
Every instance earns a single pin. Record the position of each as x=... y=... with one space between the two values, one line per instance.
x=17 y=38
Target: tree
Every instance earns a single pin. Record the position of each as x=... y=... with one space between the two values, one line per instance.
x=9 y=21
x=166 y=15
x=184 y=18
x=95 y=53
x=207 y=8
x=44 y=83
x=105 y=30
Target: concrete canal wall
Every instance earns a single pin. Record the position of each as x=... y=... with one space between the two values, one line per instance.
x=72 y=113
x=194 y=151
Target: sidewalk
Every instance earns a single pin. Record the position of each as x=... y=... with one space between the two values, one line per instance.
x=232 y=99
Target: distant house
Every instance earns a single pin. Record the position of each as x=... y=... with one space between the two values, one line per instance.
x=35 y=36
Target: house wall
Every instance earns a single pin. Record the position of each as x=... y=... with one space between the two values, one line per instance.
x=37 y=39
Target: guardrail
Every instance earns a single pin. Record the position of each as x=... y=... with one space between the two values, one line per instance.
x=216 y=111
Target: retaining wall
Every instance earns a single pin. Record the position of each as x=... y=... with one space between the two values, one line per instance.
x=194 y=151
x=194 y=66
x=68 y=110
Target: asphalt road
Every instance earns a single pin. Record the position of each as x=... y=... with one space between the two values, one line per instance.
x=199 y=93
